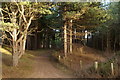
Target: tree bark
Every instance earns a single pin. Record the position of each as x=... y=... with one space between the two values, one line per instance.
x=14 y=37
x=15 y=49
x=65 y=39
x=108 y=43
x=71 y=36
x=24 y=43
x=115 y=43
x=21 y=49
x=102 y=42
x=36 y=40
x=15 y=56
x=75 y=35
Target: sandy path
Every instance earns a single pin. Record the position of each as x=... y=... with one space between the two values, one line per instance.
x=44 y=68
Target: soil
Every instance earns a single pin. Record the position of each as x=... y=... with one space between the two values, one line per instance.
x=44 y=68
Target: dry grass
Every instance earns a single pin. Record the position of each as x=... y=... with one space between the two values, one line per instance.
x=24 y=68
x=88 y=52
x=88 y=58
x=4 y=51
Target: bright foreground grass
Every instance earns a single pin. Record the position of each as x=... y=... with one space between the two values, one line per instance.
x=4 y=51
x=24 y=68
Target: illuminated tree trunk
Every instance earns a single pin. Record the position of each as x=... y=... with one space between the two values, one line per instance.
x=14 y=38
x=21 y=49
x=65 y=39
x=25 y=33
x=15 y=49
x=71 y=36
x=75 y=35
x=24 y=44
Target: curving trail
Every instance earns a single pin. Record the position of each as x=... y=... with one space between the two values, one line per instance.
x=44 y=68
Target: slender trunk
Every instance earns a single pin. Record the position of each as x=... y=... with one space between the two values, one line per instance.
x=21 y=49
x=24 y=43
x=65 y=39
x=119 y=42
x=75 y=35
x=70 y=36
x=108 y=43
x=87 y=41
x=115 y=43
x=36 y=40
x=102 y=42
x=25 y=36
x=92 y=41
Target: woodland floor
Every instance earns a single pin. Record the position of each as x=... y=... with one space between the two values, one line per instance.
x=42 y=64
x=44 y=68
x=34 y=64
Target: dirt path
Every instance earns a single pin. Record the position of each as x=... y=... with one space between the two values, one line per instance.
x=44 y=68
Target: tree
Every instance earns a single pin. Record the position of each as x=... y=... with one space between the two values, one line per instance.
x=82 y=16
x=17 y=19
x=109 y=30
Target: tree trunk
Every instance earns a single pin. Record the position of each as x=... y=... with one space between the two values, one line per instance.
x=21 y=49
x=75 y=35
x=70 y=36
x=24 y=43
x=115 y=43
x=15 y=48
x=108 y=43
x=36 y=40
x=14 y=38
x=87 y=41
x=65 y=39
x=102 y=42
x=15 y=57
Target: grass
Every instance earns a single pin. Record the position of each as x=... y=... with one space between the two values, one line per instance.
x=4 y=51
x=88 y=59
x=24 y=68
x=60 y=66
x=104 y=69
